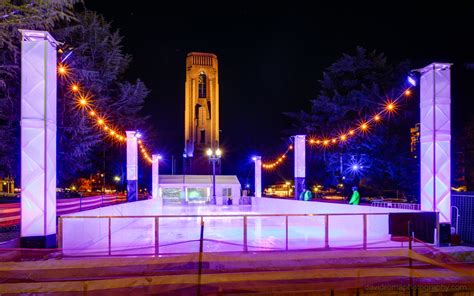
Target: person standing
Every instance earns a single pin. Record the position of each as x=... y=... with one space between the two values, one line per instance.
x=355 y=196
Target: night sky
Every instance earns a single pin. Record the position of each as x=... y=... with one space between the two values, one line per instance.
x=271 y=58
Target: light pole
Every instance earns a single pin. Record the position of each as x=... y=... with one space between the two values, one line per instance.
x=117 y=180
x=214 y=156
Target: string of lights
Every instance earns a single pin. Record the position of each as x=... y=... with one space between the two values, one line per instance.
x=84 y=102
x=363 y=127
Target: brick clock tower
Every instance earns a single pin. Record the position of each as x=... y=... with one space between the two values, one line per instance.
x=201 y=111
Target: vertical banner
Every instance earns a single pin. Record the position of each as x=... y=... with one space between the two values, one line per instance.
x=38 y=139
x=132 y=166
x=258 y=176
x=300 y=164
x=155 y=176
x=435 y=140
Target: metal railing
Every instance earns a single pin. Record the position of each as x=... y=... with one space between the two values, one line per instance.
x=245 y=246
x=395 y=205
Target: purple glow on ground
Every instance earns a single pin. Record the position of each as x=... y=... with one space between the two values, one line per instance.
x=222 y=234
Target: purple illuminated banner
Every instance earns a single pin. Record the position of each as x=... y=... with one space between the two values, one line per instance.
x=38 y=139
x=435 y=140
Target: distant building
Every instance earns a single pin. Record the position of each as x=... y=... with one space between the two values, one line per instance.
x=459 y=172
x=415 y=141
x=280 y=189
x=197 y=189
x=7 y=185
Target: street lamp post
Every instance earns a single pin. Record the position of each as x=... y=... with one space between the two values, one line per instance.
x=214 y=156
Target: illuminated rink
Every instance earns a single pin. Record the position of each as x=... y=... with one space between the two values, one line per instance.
x=90 y=236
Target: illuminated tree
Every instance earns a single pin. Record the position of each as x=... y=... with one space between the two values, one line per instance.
x=96 y=64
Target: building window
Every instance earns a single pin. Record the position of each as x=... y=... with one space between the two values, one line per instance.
x=202 y=85
x=203 y=136
x=226 y=192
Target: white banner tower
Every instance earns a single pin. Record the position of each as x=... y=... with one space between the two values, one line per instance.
x=300 y=164
x=435 y=139
x=38 y=139
x=258 y=175
x=155 y=176
x=132 y=166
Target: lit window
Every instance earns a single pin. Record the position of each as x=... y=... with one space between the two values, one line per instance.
x=202 y=85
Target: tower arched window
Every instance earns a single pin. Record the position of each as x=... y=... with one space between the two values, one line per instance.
x=202 y=82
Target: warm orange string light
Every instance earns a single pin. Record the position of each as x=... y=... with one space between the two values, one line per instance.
x=83 y=101
x=63 y=70
x=363 y=128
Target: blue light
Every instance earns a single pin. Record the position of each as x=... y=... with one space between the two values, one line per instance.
x=411 y=80
x=355 y=167
x=66 y=57
x=254 y=158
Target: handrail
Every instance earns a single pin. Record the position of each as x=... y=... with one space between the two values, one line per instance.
x=226 y=216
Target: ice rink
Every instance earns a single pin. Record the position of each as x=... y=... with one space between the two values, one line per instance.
x=111 y=230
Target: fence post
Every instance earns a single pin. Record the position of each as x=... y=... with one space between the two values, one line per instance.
x=157 y=236
x=364 y=231
x=200 y=256
x=110 y=236
x=410 y=261
x=286 y=224
x=437 y=230
x=326 y=231
x=245 y=234
x=60 y=233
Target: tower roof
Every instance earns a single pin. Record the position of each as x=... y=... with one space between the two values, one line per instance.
x=207 y=54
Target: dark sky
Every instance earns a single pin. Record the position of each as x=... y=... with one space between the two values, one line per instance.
x=271 y=58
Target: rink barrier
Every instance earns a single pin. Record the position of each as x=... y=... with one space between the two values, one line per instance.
x=245 y=246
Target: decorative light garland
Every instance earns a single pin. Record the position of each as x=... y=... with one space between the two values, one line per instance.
x=363 y=127
x=84 y=102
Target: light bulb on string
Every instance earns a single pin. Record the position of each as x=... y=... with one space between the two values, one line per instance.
x=364 y=126
x=74 y=88
x=63 y=70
